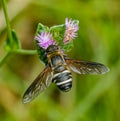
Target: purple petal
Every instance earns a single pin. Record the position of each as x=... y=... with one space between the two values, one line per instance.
x=71 y=29
x=44 y=39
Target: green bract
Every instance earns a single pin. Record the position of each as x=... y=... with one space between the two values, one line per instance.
x=14 y=44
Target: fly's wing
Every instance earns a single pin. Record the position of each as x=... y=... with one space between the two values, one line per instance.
x=84 y=67
x=43 y=80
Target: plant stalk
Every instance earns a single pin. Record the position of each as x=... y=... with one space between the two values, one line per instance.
x=7 y=21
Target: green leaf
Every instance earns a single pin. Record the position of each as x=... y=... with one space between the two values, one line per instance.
x=76 y=22
x=15 y=43
x=58 y=33
x=41 y=28
x=41 y=54
x=68 y=46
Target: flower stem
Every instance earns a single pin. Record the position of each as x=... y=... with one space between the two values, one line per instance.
x=4 y=59
x=24 y=52
x=19 y=51
x=7 y=21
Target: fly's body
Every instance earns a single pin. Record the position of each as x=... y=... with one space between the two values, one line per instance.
x=62 y=76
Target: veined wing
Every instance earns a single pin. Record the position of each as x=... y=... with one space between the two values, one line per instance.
x=43 y=80
x=85 y=67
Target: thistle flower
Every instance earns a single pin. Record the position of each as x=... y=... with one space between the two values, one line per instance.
x=70 y=32
x=44 y=40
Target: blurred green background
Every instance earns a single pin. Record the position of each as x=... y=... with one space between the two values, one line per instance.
x=92 y=97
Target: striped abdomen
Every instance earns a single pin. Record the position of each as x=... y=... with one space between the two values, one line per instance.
x=62 y=78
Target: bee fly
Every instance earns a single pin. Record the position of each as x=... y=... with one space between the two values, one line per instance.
x=58 y=71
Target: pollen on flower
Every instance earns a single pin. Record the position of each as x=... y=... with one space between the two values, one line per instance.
x=71 y=30
x=44 y=40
